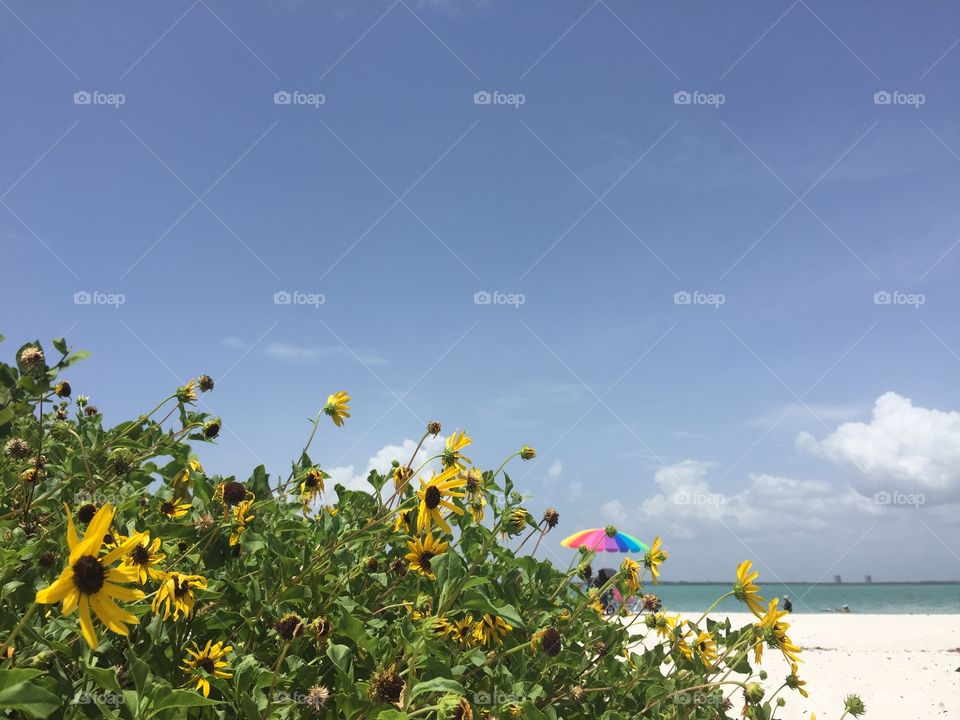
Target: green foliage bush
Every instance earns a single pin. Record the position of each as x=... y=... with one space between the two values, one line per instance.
x=312 y=592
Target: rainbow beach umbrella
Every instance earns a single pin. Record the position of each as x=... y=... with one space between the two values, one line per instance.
x=607 y=539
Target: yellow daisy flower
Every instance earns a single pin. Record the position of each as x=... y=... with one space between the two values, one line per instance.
x=773 y=633
x=312 y=485
x=431 y=496
x=174 y=509
x=144 y=558
x=337 y=407
x=401 y=477
x=176 y=595
x=746 y=590
x=205 y=664
x=654 y=557
x=187 y=393
x=241 y=518
x=452 y=457
x=663 y=624
x=89 y=584
x=795 y=683
x=422 y=551
x=405 y=521
x=490 y=630
x=631 y=572
x=187 y=475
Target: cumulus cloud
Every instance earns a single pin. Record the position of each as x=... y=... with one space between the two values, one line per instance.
x=902 y=447
x=350 y=478
x=687 y=500
x=555 y=470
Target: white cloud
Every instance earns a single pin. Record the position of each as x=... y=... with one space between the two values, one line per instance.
x=381 y=461
x=614 y=511
x=688 y=501
x=555 y=470
x=233 y=342
x=306 y=354
x=903 y=447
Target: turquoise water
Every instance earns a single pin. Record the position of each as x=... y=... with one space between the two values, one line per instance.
x=895 y=598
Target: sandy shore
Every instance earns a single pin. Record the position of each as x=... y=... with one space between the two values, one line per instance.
x=905 y=667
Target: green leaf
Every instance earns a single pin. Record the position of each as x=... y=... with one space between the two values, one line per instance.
x=444 y=685
x=181 y=698
x=23 y=693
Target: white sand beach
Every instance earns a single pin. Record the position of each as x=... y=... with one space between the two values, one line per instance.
x=903 y=666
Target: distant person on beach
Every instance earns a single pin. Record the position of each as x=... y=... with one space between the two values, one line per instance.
x=844 y=609
x=787 y=605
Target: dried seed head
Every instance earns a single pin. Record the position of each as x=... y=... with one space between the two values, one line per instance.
x=317 y=698
x=32 y=358
x=16 y=448
x=551 y=517
x=205 y=383
x=651 y=602
x=433 y=427
x=86 y=512
x=289 y=626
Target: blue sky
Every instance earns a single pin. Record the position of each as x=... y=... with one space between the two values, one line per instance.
x=762 y=419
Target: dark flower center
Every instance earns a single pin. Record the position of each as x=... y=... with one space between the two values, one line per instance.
x=425 y=558
x=180 y=588
x=207 y=664
x=311 y=481
x=86 y=512
x=140 y=555
x=233 y=493
x=432 y=497
x=166 y=507
x=88 y=575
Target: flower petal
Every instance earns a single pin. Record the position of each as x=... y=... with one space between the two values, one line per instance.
x=57 y=590
x=86 y=623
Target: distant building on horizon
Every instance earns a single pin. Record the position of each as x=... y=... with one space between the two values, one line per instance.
x=868 y=579
x=837 y=580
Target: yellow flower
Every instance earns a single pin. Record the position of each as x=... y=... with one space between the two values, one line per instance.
x=312 y=485
x=206 y=663
x=144 y=557
x=705 y=648
x=241 y=518
x=593 y=602
x=422 y=551
x=477 y=508
x=186 y=476
x=337 y=407
x=401 y=477
x=490 y=630
x=746 y=590
x=631 y=571
x=404 y=522
x=452 y=457
x=431 y=496
x=88 y=583
x=176 y=594
x=794 y=682
x=773 y=633
x=174 y=509
x=654 y=557
x=664 y=624
x=187 y=393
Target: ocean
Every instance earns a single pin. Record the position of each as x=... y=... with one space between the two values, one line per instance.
x=887 y=598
